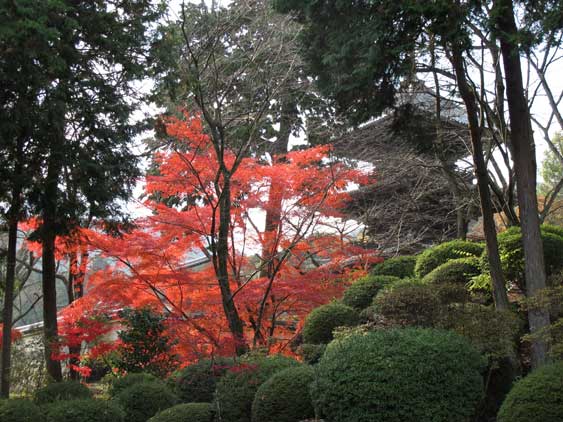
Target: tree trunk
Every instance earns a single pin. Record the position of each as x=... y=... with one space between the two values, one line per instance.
x=524 y=156
x=222 y=251
x=7 y=312
x=499 y=288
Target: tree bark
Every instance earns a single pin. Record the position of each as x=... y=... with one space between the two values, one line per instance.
x=524 y=156
x=499 y=288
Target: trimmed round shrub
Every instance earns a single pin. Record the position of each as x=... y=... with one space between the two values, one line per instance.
x=20 y=410
x=320 y=323
x=460 y=270
x=512 y=254
x=550 y=228
x=285 y=396
x=537 y=397
x=361 y=293
x=398 y=266
x=311 y=353
x=66 y=390
x=236 y=389
x=440 y=254
x=88 y=410
x=143 y=400
x=186 y=412
x=399 y=375
x=196 y=382
x=117 y=385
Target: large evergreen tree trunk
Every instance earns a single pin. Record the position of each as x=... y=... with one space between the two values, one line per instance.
x=499 y=288
x=524 y=156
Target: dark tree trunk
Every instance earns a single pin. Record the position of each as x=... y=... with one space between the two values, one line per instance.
x=524 y=156
x=7 y=312
x=499 y=288
x=222 y=268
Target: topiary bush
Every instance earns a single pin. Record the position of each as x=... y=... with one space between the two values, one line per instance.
x=399 y=375
x=537 y=397
x=67 y=390
x=311 y=353
x=460 y=270
x=361 y=293
x=20 y=410
x=285 y=396
x=117 y=385
x=185 y=412
x=440 y=254
x=399 y=266
x=512 y=254
x=144 y=400
x=89 y=410
x=236 y=389
x=320 y=323
x=196 y=382
x=550 y=228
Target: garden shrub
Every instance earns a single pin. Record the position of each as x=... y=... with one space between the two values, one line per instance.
x=185 y=412
x=399 y=375
x=117 y=385
x=66 y=390
x=440 y=254
x=399 y=266
x=285 y=396
x=360 y=294
x=537 y=397
x=460 y=270
x=320 y=323
x=311 y=353
x=236 y=389
x=143 y=400
x=550 y=228
x=20 y=410
x=88 y=410
x=196 y=382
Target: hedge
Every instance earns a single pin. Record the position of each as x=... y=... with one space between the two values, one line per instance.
x=321 y=322
x=66 y=390
x=460 y=270
x=444 y=252
x=399 y=266
x=20 y=410
x=88 y=410
x=117 y=385
x=143 y=400
x=360 y=294
x=186 y=412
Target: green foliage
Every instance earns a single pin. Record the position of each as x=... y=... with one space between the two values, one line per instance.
x=185 y=412
x=411 y=303
x=117 y=385
x=145 y=346
x=144 y=400
x=460 y=270
x=311 y=353
x=320 y=323
x=196 y=382
x=553 y=229
x=551 y=168
x=67 y=390
x=236 y=389
x=537 y=397
x=361 y=293
x=434 y=257
x=285 y=396
x=512 y=253
x=402 y=375
x=399 y=266
x=84 y=411
x=20 y=410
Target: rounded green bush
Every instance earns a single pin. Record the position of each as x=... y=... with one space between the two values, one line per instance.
x=311 y=353
x=550 y=228
x=361 y=293
x=285 y=396
x=444 y=252
x=321 y=322
x=196 y=382
x=88 y=410
x=460 y=270
x=236 y=389
x=117 y=385
x=20 y=410
x=537 y=397
x=399 y=266
x=399 y=375
x=512 y=254
x=185 y=412
x=67 y=390
x=144 y=400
